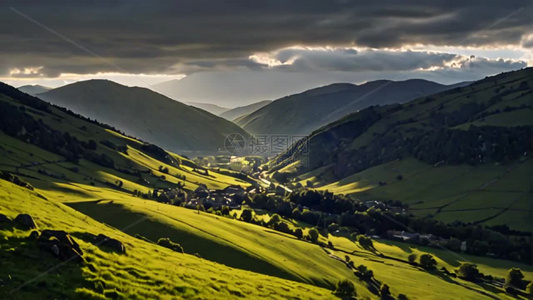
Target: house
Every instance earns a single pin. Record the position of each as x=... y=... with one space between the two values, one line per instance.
x=463 y=246
x=403 y=236
x=234 y=189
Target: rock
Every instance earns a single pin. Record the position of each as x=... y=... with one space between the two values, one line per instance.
x=61 y=245
x=26 y=221
x=4 y=219
x=113 y=244
x=34 y=234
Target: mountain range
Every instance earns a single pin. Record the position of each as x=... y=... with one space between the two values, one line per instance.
x=302 y=113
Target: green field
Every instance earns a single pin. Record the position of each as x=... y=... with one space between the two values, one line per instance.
x=146 y=271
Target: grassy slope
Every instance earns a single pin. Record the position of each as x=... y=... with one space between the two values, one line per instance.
x=251 y=247
x=419 y=284
x=467 y=193
x=147 y=271
x=459 y=191
x=238 y=244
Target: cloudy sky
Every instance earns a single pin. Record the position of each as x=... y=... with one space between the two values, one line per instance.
x=237 y=52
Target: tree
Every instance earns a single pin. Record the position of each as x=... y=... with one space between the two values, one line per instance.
x=225 y=210
x=299 y=233
x=364 y=272
x=333 y=227
x=313 y=235
x=345 y=288
x=384 y=291
x=412 y=258
x=247 y=215
x=480 y=247
x=274 y=219
x=467 y=271
x=365 y=242
x=514 y=278
x=296 y=214
x=427 y=261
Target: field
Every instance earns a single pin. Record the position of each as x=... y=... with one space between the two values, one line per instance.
x=501 y=195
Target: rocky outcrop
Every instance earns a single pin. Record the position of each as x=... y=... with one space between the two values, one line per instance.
x=26 y=221
x=61 y=245
x=113 y=244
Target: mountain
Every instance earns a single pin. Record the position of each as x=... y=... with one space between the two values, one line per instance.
x=460 y=154
x=302 y=113
x=212 y=108
x=145 y=114
x=33 y=89
x=242 y=111
x=78 y=195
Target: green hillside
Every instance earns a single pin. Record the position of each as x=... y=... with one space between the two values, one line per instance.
x=146 y=271
x=462 y=154
x=147 y=115
x=302 y=113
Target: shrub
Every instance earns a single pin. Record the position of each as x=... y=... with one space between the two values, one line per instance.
x=283 y=227
x=412 y=258
x=364 y=273
x=384 y=290
x=345 y=288
x=402 y=297
x=274 y=219
x=299 y=233
x=167 y=243
x=427 y=261
x=313 y=235
x=296 y=214
x=225 y=210
x=514 y=278
x=333 y=227
x=247 y=215
x=365 y=242
x=467 y=271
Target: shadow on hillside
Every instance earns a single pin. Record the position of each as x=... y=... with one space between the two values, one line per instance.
x=488 y=290
x=26 y=271
x=208 y=245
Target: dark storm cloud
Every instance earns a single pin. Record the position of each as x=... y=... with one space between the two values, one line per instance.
x=176 y=36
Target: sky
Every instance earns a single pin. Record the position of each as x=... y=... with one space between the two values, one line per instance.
x=234 y=53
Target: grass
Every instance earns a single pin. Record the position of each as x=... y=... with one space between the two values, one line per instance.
x=146 y=271
x=420 y=284
x=466 y=193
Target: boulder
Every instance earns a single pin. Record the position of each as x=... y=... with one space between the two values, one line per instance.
x=61 y=245
x=26 y=221
x=4 y=219
x=111 y=243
